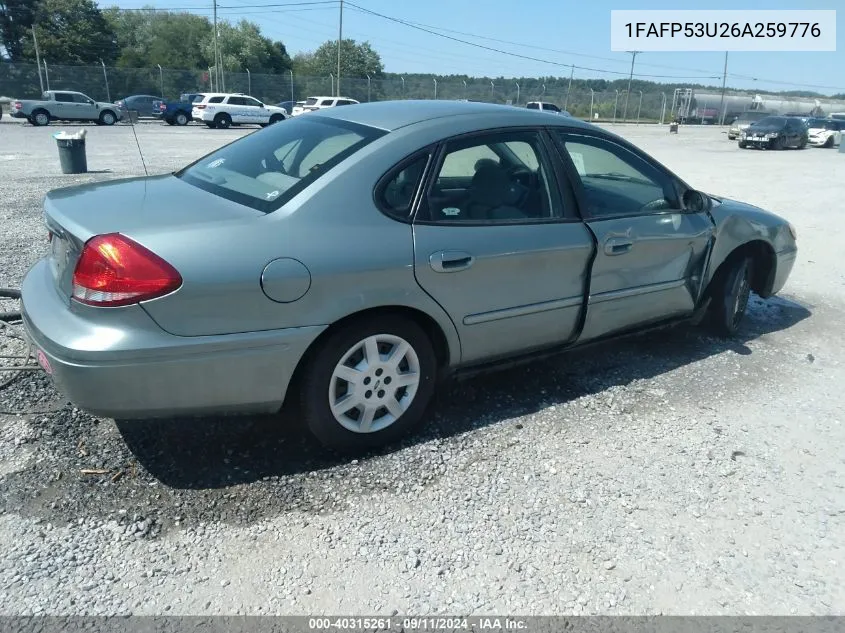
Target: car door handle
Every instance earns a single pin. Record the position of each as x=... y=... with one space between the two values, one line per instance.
x=617 y=246
x=450 y=261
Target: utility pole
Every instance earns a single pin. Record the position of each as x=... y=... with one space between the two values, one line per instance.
x=37 y=59
x=630 y=77
x=216 y=50
x=722 y=101
x=339 y=42
x=569 y=88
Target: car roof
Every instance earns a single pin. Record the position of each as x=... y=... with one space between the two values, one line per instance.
x=391 y=115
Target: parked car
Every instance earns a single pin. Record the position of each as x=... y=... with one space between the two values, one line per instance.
x=353 y=257
x=825 y=132
x=287 y=106
x=142 y=104
x=545 y=106
x=65 y=105
x=177 y=112
x=221 y=110
x=775 y=132
x=312 y=104
x=742 y=122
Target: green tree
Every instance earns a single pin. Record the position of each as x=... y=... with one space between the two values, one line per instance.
x=242 y=46
x=72 y=32
x=356 y=60
x=147 y=38
x=16 y=20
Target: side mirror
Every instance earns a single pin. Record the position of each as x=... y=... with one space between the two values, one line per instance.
x=696 y=201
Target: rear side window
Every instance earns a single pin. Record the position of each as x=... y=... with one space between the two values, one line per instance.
x=64 y=97
x=216 y=100
x=395 y=194
x=326 y=102
x=236 y=101
x=263 y=171
x=533 y=106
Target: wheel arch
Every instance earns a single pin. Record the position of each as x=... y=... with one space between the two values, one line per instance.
x=763 y=266
x=445 y=349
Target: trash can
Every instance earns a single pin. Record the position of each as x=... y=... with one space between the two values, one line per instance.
x=72 y=155
x=841 y=147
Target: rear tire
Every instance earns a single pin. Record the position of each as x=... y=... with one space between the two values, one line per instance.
x=730 y=292
x=40 y=117
x=370 y=388
x=223 y=121
x=181 y=119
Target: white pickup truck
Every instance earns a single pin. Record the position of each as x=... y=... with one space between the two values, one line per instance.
x=65 y=105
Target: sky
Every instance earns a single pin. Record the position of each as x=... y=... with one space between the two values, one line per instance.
x=578 y=32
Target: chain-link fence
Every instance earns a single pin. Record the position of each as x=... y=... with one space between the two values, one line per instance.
x=109 y=84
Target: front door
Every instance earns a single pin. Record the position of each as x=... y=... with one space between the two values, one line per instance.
x=64 y=107
x=651 y=252
x=86 y=109
x=494 y=246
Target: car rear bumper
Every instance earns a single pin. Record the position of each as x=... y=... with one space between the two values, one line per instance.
x=119 y=363
x=17 y=114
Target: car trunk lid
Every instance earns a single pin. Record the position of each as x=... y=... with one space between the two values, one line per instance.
x=132 y=207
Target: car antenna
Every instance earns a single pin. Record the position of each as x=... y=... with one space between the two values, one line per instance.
x=137 y=144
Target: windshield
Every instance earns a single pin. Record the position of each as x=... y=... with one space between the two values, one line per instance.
x=817 y=123
x=267 y=168
x=745 y=117
x=771 y=121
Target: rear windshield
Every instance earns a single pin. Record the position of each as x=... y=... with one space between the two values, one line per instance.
x=311 y=101
x=267 y=168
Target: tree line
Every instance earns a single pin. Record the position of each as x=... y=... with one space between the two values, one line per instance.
x=78 y=32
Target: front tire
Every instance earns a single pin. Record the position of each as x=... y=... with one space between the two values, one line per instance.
x=223 y=121
x=276 y=118
x=107 y=117
x=731 y=290
x=742 y=145
x=368 y=384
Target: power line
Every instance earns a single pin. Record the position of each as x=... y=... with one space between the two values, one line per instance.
x=513 y=54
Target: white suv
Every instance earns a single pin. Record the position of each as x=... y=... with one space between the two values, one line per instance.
x=319 y=103
x=545 y=106
x=220 y=110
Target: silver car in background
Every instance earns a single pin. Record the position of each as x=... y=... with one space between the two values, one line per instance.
x=351 y=258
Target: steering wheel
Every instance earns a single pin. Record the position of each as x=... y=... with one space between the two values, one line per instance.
x=524 y=180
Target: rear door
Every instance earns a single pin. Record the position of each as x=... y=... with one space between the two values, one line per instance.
x=64 y=107
x=651 y=251
x=498 y=249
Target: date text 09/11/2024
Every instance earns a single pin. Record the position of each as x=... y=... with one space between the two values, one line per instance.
x=724 y=29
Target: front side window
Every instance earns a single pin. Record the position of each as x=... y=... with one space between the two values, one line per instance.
x=263 y=171
x=615 y=181
x=551 y=106
x=495 y=178
x=81 y=99
x=251 y=102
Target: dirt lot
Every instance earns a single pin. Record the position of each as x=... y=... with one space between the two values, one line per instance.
x=672 y=474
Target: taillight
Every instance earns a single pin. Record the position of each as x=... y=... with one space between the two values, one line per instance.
x=116 y=271
x=162 y=107
x=17 y=105
x=200 y=107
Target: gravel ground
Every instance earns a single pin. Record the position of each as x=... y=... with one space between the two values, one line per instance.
x=675 y=473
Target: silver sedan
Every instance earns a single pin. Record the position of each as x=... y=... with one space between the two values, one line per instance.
x=352 y=258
